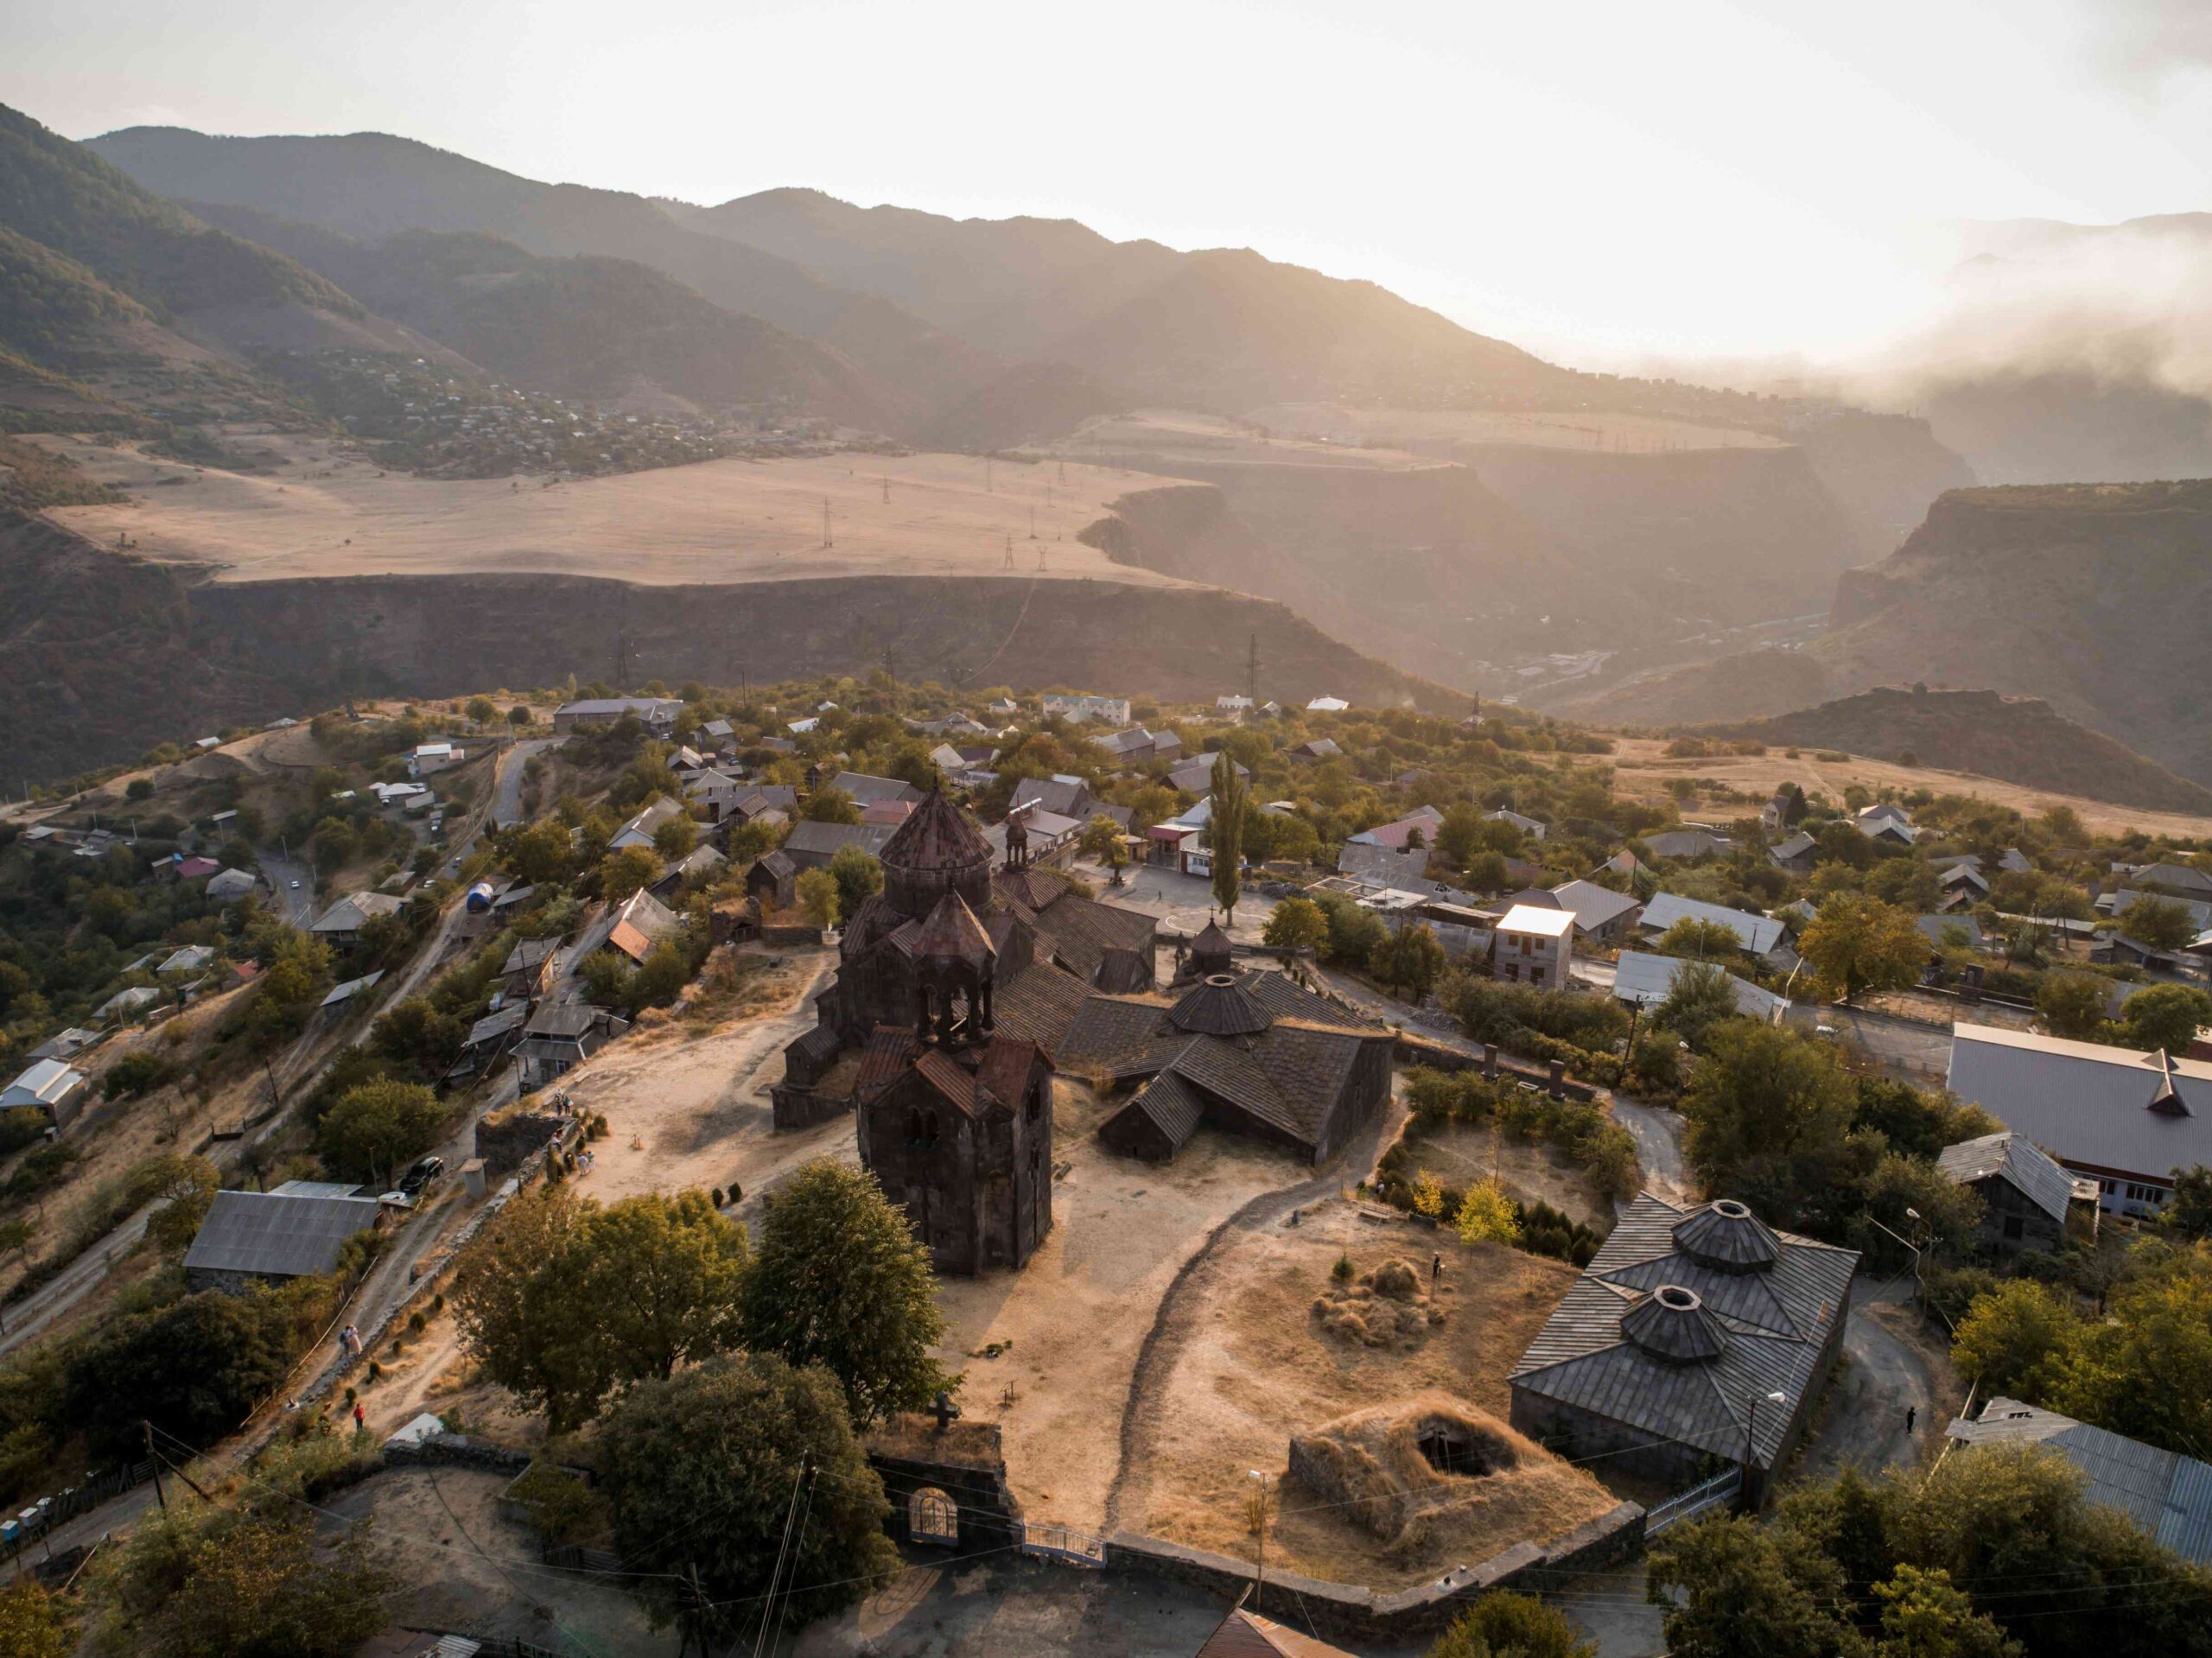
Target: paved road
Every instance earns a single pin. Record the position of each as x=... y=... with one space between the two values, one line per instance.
x=1658 y=1135
x=1882 y=1376
x=506 y=793
x=281 y=872
x=33 y=1312
x=1905 y=1049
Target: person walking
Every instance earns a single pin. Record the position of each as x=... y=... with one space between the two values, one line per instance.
x=1435 y=1268
x=1912 y=1416
x=360 y=1418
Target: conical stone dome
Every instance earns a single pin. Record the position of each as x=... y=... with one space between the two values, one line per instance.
x=952 y=933
x=938 y=849
x=1727 y=1237
x=1219 y=1006
x=1209 y=951
x=1672 y=1324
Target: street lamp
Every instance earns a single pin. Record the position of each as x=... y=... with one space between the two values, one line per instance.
x=1260 y=1580
x=1750 y=1426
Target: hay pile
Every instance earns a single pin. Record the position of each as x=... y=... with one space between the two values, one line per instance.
x=1386 y=1307
x=1371 y=1465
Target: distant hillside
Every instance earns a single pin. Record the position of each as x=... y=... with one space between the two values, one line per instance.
x=591 y=329
x=2091 y=596
x=2016 y=740
x=372 y=185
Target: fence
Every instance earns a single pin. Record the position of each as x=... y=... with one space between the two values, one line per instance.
x=81 y=1499
x=1058 y=1543
x=1721 y=1489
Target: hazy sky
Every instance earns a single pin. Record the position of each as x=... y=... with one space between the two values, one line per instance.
x=1588 y=178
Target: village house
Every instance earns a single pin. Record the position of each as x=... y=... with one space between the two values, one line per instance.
x=1533 y=828
x=427 y=758
x=1774 y=817
x=336 y=999
x=631 y=928
x=1602 y=917
x=1687 y=844
x=811 y=845
x=1758 y=935
x=773 y=880
x=1886 y=822
x=1535 y=946
x=488 y=1041
x=1316 y=748
x=1381 y=866
x=2167 y=1495
x=1643 y=979
x=48 y=1087
x=229 y=885
x=2174 y=880
x=297 y=1230
x=341 y=924
x=864 y=791
x=1327 y=705
x=1417 y=828
x=716 y=790
x=641 y=829
x=66 y=1044
x=1666 y=1356
x=560 y=1036
x=2027 y=1199
x=658 y=715
x=527 y=974
x=2127 y=1120
x=1052 y=837
x=694 y=869
x=1134 y=748
x=1068 y=797
x=1254 y=1054
x=1794 y=853
x=127 y=1004
x=1195 y=775
x=1107 y=710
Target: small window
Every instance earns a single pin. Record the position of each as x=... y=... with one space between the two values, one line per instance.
x=2015 y=1228
x=921 y=1127
x=1036 y=1107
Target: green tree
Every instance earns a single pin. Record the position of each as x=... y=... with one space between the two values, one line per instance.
x=1770 y=1114
x=817 y=896
x=1226 y=834
x=2072 y=1005
x=1486 y=1215
x=2188 y=1211
x=703 y=1469
x=1925 y=1616
x=375 y=1129
x=186 y=1187
x=138 y=789
x=1297 y=923
x=212 y=1582
x=194 y=1369
x=1702 y=996
x=842 y=1281
x=481 y=711
x=2019 y=1340
x=623 y=873
x=1857 y=943
x=858 y=876
x=1732 y=1589
x=829 y=804
x=539 y=854
x=2158 y=922
x=518 y=715
x=675 y=837
x=1101 y=842
x=1697 y=940
x=2164 y=1016
x=1503 y=1624
x=34 y=1624
x=1410 y=961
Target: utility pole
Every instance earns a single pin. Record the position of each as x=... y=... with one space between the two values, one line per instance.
x=160 y=1496
x=1252 y=670
x=1009 y=552
x=1032 y=523
x=826 y=542
x=887 y=489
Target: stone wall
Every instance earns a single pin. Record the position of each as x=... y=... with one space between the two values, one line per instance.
x=508 y=1140
x=1404 y=1617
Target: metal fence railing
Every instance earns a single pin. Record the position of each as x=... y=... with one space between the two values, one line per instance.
x=1058 y=1543
x=1721 y=1489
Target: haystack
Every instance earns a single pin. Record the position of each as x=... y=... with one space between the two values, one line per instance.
x=1386 y=1307
x=1390 y=1466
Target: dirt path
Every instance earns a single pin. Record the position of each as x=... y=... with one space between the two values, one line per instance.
x=1886 y=1372
x=1658 y=1135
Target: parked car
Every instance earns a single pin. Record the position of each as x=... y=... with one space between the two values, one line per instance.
x=424 y=1172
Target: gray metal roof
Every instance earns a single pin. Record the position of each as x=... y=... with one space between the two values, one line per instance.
x=1647 y=980
x=1382 y=866
x=1594 y=906
x=2007 y=1156
x=1932 y=927
x=2085 y=1103
x=2169 y=1495
x=277 y=1234
x=1757 y=933
x=1771 y=1324
x=822 y=841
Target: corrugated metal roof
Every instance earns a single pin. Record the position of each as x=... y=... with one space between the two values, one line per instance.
x=2084 y=1102
x=1757 y=933
x=2168 y=1494
x=1647 y=979
x=2031 y=1169
x=277 y=1234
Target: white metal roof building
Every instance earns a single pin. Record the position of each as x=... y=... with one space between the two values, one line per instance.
x=2127 y=1118
x=50 y=1086
x=1756 y=934
x=1645 y=980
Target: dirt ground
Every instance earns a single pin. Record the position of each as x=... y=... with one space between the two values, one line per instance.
x=1528 y=1170
x=1547 y=429
x=1641 y=770
x=1251 y=1365
x=1071 y=1321
x=458 y=1564
x=717 y=521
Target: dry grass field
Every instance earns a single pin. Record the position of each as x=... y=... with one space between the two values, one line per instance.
x=1252 y=1365
x=1169 y=433
x=1641 y=769
x=1547 y=429
x=329 y=513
